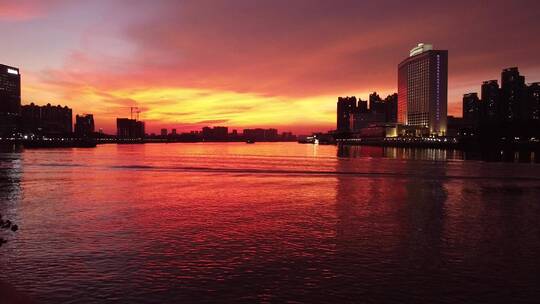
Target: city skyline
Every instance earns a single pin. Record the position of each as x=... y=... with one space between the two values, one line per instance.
x=422 y=85
x=187 y=72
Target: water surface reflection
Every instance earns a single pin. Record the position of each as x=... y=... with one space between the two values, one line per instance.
x=272 y=222
x=523 y=156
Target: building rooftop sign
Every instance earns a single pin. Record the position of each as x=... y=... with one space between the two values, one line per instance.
x=421 y=48
x=12 y=71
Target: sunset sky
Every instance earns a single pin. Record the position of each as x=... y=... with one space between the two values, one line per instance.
x=248 y=63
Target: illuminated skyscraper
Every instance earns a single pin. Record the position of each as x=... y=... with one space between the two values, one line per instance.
x=423 y=90
x=10 y=99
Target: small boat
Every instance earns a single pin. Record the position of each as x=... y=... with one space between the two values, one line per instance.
x=250 y=141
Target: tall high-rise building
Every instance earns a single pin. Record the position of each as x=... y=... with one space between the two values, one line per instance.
x=471 y=108
x=533 y=96
x=362 y=106
x=490 y=96
x=84 y=125
x=423 y=90
x=512 y=92
x=346 y=106
x=376 y=104
x=513 y=110
x=10 y=99
x=391 y=103
x=129 y=128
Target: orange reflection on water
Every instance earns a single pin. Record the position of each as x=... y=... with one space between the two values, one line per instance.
x=266 y=222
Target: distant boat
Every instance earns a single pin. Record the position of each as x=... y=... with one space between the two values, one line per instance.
x=250 y=141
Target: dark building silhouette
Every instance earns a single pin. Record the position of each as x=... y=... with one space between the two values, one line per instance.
x=84 y=125
x=391 y=103
x=288 y=136
x=354 y=115
x=271 y=134
x=164 y=132
x=362 y=106
x=215 y=133
x=259 y=134
x=173 y=132
x=471 y=108
x=490 y=96
x=423 y=90
x=234 y=136
x=533 y=96
x=376 y=104
x=10 y=99
x=511 y=112
x=56 y=119
x=129 y=128
x=512 y=106
x=46 y=120
x=31 y=119
x=513 y=102
x=346 y=106
x=388 y=107
x=456 y=126
x=364 y=119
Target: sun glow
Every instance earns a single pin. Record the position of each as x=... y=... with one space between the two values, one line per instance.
x=193 y=106
x=187 y=108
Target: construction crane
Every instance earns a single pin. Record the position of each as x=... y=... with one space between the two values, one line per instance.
x=135 y=110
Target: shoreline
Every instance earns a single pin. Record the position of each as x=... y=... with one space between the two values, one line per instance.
x=472 y=146
x=417 y=143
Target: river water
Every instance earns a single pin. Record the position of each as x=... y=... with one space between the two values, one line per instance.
x=269 y=223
